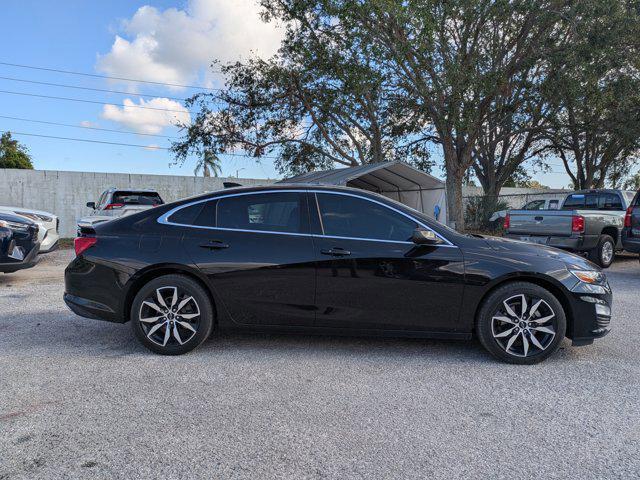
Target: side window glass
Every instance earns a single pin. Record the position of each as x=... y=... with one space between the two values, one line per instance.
x=274 y=212
x=102 y=200
x=345 y=216
x=187 y=215
x=553 y=204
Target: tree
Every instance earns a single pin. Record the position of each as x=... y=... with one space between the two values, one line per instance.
x=12 y=154
x=319 y=102
x=633 y=182
x=459 y=59
x=595 y=88
x=209 y=163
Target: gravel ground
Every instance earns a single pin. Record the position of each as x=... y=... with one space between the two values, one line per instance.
x=81 y=398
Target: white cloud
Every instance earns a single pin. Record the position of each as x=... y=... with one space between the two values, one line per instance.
x=156 y=114
x=152 y=147
x=177 y=46
x=88 y=124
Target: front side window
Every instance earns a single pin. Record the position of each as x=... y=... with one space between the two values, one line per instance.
x=273 y=212
x=345 y=216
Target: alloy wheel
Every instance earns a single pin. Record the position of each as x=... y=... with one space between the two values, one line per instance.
x=524 y=326
x=607 y=253
x=170 y=316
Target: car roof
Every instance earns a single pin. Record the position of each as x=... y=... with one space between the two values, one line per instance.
x=599 y=190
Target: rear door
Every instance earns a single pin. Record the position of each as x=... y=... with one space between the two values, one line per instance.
x=370 y=274
x=257 y=251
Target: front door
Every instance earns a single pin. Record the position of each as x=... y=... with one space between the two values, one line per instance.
x=256 y=250
x=370 y=275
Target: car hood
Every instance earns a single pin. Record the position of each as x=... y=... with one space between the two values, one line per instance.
x=517 y=247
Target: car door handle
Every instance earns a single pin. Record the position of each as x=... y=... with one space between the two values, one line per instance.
x=336 y=252
x=538 y=219
x=215 y=245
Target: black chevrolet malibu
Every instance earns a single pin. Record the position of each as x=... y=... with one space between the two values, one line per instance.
x=329 y=260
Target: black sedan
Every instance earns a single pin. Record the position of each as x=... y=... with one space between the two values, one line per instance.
x=18 y=243
x=329 y=260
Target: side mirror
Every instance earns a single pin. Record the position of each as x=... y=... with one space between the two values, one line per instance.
x=91 y=205
x=422 y=236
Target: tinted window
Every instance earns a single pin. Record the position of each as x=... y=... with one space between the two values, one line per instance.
x=344 y=216
x=553 y=204
x=136 y=198
x=574 y=201
x=611 y=201
x=186 y=215
x=275 y=212
x=581 y=201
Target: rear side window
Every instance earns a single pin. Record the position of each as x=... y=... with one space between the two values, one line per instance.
x=274 y=212
x=126 y=197
x=186 y=215
x=345 y=216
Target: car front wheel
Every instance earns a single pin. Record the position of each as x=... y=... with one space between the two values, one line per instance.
x=521 y=323
x=172 y=315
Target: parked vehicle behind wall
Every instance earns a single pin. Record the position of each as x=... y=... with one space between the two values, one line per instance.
x=114 y=203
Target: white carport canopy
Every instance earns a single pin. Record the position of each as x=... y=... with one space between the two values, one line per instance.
x=395 y=180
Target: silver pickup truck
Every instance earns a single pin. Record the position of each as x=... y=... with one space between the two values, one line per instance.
x=589 y=221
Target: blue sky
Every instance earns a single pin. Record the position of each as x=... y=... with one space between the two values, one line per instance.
x=162 y=41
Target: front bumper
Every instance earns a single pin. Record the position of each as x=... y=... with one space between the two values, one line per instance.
x=591 y=317
x=29 y=261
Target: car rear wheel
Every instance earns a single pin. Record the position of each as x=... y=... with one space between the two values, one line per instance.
x=604 y=252
x=172 y=315
x=521 y=323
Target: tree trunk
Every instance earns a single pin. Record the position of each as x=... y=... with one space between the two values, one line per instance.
x=453 y=186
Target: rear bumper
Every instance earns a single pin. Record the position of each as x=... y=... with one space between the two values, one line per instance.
x=29 y=261
x=578 y=243
x=90 y=309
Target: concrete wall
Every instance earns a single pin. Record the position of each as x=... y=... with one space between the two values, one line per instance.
x=66 y=193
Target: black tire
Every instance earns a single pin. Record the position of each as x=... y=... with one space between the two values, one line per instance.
x=604 y=253
x=495 y=335
x=193 y=319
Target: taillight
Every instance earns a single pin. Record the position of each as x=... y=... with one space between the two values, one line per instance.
x=577 y=223
x=82 y=243
x=507 y=222
x=114 y=206
x=627 y=217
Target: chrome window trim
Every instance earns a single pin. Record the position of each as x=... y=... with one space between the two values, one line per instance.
x=163 y=219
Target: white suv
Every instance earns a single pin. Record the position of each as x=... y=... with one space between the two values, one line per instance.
x=115 y=202
x=47 y=222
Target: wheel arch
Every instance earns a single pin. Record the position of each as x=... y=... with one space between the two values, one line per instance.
x=613 y=233
x=545 y=282
x=147 y=274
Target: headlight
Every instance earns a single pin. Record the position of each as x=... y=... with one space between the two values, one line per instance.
x=590 y=281
x=589 y=276
x=14 y=226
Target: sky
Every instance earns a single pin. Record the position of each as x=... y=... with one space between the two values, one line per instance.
x=171 y=43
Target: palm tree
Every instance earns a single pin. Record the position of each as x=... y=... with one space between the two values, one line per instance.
x=209 y=163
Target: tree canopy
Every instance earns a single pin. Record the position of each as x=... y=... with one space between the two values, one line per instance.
x=12 y=154
x=489 y=85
